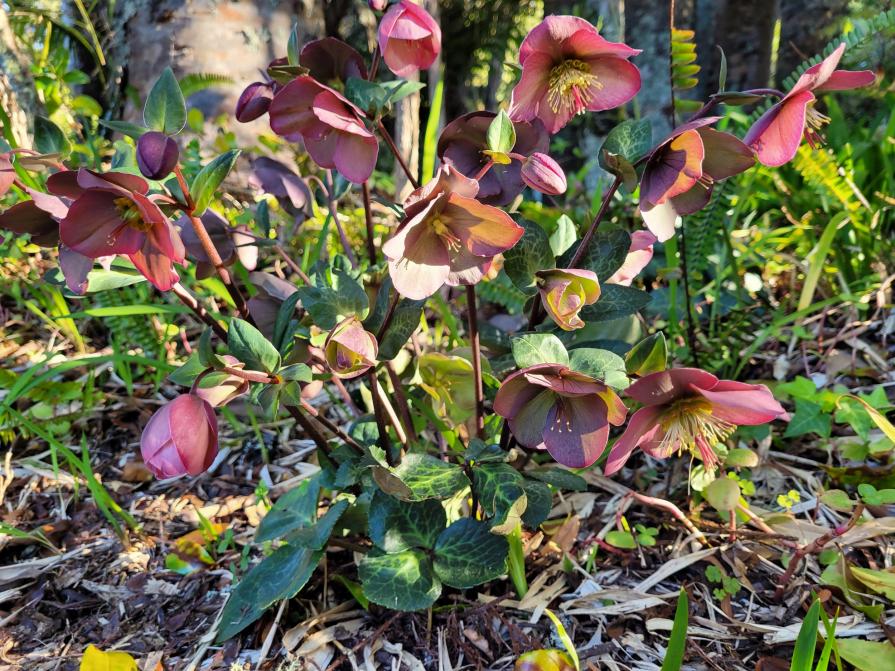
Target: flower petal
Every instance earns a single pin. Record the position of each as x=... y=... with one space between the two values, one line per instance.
x=418 y=261
x=667 y=385
x=619 y=82
x=75 y=268
x=529 y=97
x=843 y=80
x=355 y=156
x=484 y=230
x=776 y=136
x=642 y=427
x=94 y=227
x=661 y=220
x=674 y=169
x=529 y=422
x=743 y=404
x=155 y=266
x=725 y=155
x=576 y=431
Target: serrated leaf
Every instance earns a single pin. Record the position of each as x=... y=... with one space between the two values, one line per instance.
x=605 y=253
x=427 y=477
x=501 y=135
x=249 y=345
x=536 y=348
x=615 y=301
x=165 y=108
x=468 y=554
x=209 y=178
x=49 y=138
x=396 y=525
x=500 y=492
x=400 y=581
x=531 y=254
x=631 y=140
x=600 y=364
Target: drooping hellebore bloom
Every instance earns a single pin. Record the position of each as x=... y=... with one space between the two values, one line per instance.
x=181 y=438
x=564 y=292
x=640 y=253
x=157 y=155
x=777 y=134
x=409 y=38
x=681 y=172
x=549 y=406
x=449 y=380
x=543 y=174
x=232 y=243
x=254 y=101
x=447 y=237
x=218 y=388
x=332 y=128
x=277 y=179
x=690 y=409
x=350 y=350
x=567 y=68
x=332 y=62
x=112 y=214
x=463 y=142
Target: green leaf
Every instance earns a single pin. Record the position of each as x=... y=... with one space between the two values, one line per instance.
x=531 y=254
x=400 y=525
x=279 y=576
x=605 y=254
x=562 y=239
x=101 y=279
x=49 y=138
x=558 y=477
x=600 y=364
x=331 y=301
x=285 y=323
x=501 y=135
x=881 y=582
x=837 y=500
x=209 y=178
x=294 y=510
x=563 y=636
x=866 y=655
x=615 y=302
x=427 y=477
x=539 y=502
x=468 y=554
x=621 y=539
x=806 y=641
x=677 y=642
x=405 y=321
x=808 y=418
x=127 y=128
x=316 y=536
x=400 y=581
x=650 y=355
x=378 y=97
x=630 y=140
x=293 y=46
x=249 y=345
x=534 y=348
x=165 y=108
x=500 y=491
x=723 y=494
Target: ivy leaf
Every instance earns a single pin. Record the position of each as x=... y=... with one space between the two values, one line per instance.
x=562 y=239
x=280 y=575
x=127 y=128
x=605 y=254
x=539 y=500
x=396 y=526
x=560 y=478
x=534 y=348
x=209 y=178
x=295 y=509
x=501 y=135
x=401 y=581
x=405 y=321
x=249 y=345
x=165 y=108
x=500 y=490
x=427 y=477
x=808 y=418
x=630 y=140
x=468 y=554
x=615 y=302
x=531 y=254
x=49 y=138
x=600 y=364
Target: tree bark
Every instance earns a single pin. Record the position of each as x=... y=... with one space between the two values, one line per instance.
x=17 y=98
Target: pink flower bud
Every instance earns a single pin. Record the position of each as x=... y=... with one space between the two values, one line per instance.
x=218 y=388
x=350 y=350
x=254 y=102
x=181 y=438
x=543 y=174
x=378 y=5
x=157 y=155
x=409 y=38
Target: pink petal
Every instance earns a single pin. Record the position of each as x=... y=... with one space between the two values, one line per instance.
x=322 y=149
x=529 y=423
x=817 y=75
x=529 y=98
x=155 y=267
x=94 y=228
x=422 y=266
x=513 y=394
x=118 y=182
x=193 y=429
x=548 y=35
x=743 y=404
x=843 y=80
x=587 y=42
x=355 y=157
x=165 y=238
x=330 y=110
x=725 y=155
x=484 y=230
x=290 y=110
x=776 y=136
x=64 y=183
x=638 y=258
x=642 y=426
x=27 y=217
x=667 y=385
x=405 y=57
x=620 y=82
x=674 y=169
x=576 y=431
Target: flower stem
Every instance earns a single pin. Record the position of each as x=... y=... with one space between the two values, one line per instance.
x=379 y=412
x=474 y=343
x=691 y=323
x=484 y=171
x=394 y=149
x=193 y=304
x=401 y=401
x=389 y=315
x=310 y=429
x=516 y=562
x=368 y=218
x=333 y=212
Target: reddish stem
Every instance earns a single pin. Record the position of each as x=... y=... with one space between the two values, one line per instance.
x=474 y=343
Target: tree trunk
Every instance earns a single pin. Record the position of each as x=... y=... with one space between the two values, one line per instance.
x=646 y=28
x=407 y=139
x=17 y=97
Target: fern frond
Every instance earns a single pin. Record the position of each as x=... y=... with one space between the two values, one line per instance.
x=503 y=292
x=684 y=69
x=199 y=81
x=821 y=171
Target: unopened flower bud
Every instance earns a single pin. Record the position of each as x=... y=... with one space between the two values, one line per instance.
x=181 y=438
x=350 y=350
x=543 y=174
x=378 y=5
x=254 y=102
x=157 y=155
x=218 y=388
x=565 y=292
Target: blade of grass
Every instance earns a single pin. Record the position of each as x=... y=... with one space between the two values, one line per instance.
x=818 y=257
x=806 y=641
x=677 y=643
x=430 y=139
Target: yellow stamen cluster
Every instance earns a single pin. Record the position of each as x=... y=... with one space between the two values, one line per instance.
x=689 y=424
x=443 y=231
x=570 y=86
x=130 y=214
x=814 y=123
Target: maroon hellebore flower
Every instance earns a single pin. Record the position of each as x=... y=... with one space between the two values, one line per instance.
x=112 y=214
x=232 y=243
x=181 y=438
x=565 y=292
x=332 y=127
x=332 y=62
x=549 y=406
x=543 y=174
x=447 y=237
x=254 y=101
x=640 y=253
x=350 y=350
x=463 y=141
x=157 y=155
x=567 y=68
x=776 y=136
x=277 y=179
x=690 y=409
x=409 y=38
x=681 y=172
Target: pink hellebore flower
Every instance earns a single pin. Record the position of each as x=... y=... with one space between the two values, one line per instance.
x=568 y=68
x=565 y=292
x=350 y=350
x=689 y=409
x=112 y=214
x=332 y=62
x=332 y=128
x=549 y=406
x=681 y=172
x=181 y=438
x=409 y=38
x=447 y=237
x=543 y=174
x=640 y=253
x=776 y=136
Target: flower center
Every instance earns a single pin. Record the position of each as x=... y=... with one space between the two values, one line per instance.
x=130 y=214
x=570 y=86
x=443 y=231
x=688 y=423
x=814 y=123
